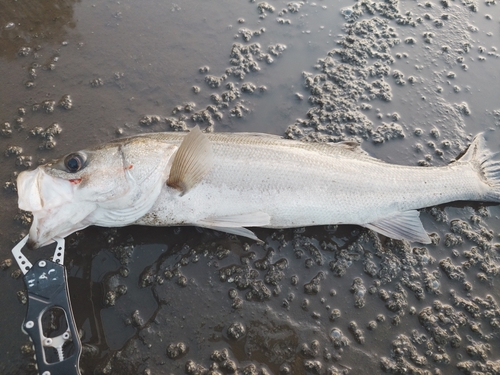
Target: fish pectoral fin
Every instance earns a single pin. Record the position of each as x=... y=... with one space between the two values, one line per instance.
x=243 y=232
x=192 y=162
x=402 y=226
x=234 y=224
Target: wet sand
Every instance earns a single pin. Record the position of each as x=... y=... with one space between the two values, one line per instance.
x=413 y=82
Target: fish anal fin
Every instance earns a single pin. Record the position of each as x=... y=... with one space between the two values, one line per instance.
x=401 y=226
x=192 y=162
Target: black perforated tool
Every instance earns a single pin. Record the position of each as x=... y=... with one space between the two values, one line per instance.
x=49 y=321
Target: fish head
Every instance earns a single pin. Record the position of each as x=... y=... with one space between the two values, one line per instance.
x=111 y=185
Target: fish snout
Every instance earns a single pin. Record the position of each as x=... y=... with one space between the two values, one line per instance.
x=34 y=239
x=32 y=244
x=29 y=198
x=39 y=236
x=37 y=243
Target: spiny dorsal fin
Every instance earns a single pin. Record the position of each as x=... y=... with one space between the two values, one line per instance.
x=193 y=160
x=402 y=226
x=353 y=146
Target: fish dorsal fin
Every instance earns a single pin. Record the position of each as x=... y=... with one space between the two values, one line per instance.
x=474 y=150
x=259 y=135
x=193 y=160
x=353 y=146
x=350 y=145
x=234 y=223
x=402 y=226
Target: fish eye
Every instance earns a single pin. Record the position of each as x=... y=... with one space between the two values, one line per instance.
x=74 y=162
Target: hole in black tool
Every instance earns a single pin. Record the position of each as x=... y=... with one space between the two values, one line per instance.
x=55 y=324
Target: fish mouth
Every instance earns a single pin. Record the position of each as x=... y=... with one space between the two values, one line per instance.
x=33 y=245
x=51 y=202
x=58 y=223
x=38 y=191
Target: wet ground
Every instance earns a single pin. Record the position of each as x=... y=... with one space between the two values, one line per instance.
x=413 y=81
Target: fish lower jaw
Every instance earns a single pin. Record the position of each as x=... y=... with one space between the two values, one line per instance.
x=34 y=244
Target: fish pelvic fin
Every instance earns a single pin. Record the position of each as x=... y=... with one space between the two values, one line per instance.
x=192 y=162
x=401 y=226
x=243 y=232
x=488 y=170
x=248 y=219
x=235 y=224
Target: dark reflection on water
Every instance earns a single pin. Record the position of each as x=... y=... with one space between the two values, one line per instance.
x=159 y=309
x=26 y=24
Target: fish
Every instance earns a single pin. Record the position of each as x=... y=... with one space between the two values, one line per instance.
x=234 y=181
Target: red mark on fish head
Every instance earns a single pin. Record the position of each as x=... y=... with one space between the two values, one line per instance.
x=130 y=166
x=75 y=181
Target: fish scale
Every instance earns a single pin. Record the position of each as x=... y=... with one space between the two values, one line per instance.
x=320 y=185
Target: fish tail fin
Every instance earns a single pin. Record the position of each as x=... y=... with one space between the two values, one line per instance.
x=487 y=169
